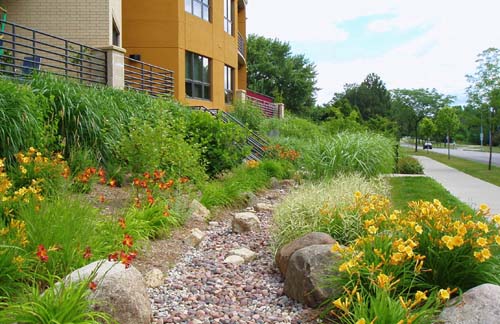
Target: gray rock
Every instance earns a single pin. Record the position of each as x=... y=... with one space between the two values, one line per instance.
x=154 y=278
x=195 y=237
x=274 y=183
x=120 y=292
x=305 y=275
x=479 y=305
x=246 y=254
x=263 y=207
x=249 y=198
x=245 y=222
x=284 y=254
x=234 y=259
x=198 y=211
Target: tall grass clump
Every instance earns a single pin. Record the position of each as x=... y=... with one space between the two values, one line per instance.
x=290 y=127
x=367 y=153
x=249 y=114
x=21 y=118
x=300 y=212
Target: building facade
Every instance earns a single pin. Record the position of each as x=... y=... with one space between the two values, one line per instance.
x=96 y=23
x=202 y=41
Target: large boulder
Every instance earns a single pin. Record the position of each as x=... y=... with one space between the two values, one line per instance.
x=245 y=222
x=198 y=211
x=263 y=207
x=120 y=292
x=284 y=254
x=304 y=281
x=479 y=305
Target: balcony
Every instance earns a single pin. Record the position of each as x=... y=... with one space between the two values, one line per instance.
x=241 y=50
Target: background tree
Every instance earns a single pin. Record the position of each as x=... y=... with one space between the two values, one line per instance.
x=447 y=123
x=274 y=71
x=411 y=106
x=427 y=128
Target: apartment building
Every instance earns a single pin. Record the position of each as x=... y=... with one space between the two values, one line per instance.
x=202 y=41
x=96 y=23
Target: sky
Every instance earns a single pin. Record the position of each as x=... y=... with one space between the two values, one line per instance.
x=408 y=43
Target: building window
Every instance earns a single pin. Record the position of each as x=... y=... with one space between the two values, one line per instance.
x=228 y=84
x=199 y=8
x=116 y=34
x=228 y=16
x=197 y=76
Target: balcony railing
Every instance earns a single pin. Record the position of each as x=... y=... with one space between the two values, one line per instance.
x=241 y=46
x=24 y=50
x=149 y=78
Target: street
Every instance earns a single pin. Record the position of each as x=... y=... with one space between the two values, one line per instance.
x=477 y=156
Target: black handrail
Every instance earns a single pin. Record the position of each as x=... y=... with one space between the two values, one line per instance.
x=150 y=78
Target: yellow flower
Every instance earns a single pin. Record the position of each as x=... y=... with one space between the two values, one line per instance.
x=448 y=241
x=344 y=306
x=418 y=229
x=482 y=255
x=361 y=321
x=369 y=222
x=484 y=209
x=372 y=230
x=18 y=260
x=497 y=239
x=336 y=247
x=383 y=280
x=420 y=296
x=358 y=195
x=457 y=241
x=397 y=258
x=496 y=218
x=444 y=294
x=483 y=227
x=23 y=169
x=482 y=241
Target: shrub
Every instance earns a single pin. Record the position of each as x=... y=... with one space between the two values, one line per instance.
x=223 y=145
x=301 y=211
x=291 y=127
x=409 y=165
x=248 y=114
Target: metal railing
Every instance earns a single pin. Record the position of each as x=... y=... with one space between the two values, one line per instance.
x=254 y=140
x=24 y=50
x=241 y=45
x=149 y=78
x=269 y=109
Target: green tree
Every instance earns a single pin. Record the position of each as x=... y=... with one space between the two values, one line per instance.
x=371 y=98
x=274 y=71
x=427 y=128
x=447 y=123
x=411 y=106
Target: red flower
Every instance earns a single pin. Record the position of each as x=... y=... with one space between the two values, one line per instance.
x=170 y=183
x=144 y=184
x=112 y=183
x=137 y=182
x=146 y=175
x=92 y=286
x=102 y=180
x=88 y=253
x=101 y=173
x=151 y=199
x=128 y=241
x=113 y=256
x=132 y=255
x=183 y=179
x=158 y=174
x=137 y=202
x=41 y=253
x=121 y=222
x=102 y=199
x=126 y=259
x=92 y=170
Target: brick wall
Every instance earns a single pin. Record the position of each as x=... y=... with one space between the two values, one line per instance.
x=88 y=22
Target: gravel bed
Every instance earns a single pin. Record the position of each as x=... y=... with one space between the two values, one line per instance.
x=203 y=289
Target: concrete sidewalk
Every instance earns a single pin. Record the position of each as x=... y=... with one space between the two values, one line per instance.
x=468 y=189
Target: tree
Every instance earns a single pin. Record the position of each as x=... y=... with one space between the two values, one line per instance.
x=410 y=106
x=484 y=89
x=427 y=127
x=447 y=123
x=371 y=97
x=274 y=71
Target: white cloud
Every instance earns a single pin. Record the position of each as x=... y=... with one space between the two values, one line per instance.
x=455 y=32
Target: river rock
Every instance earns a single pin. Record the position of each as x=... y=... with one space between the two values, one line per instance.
x=245 y=222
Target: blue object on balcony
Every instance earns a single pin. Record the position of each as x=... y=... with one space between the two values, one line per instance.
x=31 y=63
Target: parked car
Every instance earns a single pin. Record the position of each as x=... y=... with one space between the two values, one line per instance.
x=428 y=145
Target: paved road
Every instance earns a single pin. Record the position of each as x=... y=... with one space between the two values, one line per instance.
x=477 y=156
x=468 y=189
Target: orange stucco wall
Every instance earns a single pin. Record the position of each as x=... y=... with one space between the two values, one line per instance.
x=161 y=31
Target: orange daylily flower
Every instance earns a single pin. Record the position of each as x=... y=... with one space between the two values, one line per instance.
x=41 y=253
x=92 y=286
x=87 y=254
x=112 y=183
x=128 y=241
x=121 y=223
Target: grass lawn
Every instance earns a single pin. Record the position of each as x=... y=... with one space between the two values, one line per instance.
x=406 y=189
x=475 y=169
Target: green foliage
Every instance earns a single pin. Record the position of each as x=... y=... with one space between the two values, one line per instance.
x=61 y=303
x=13 y=265
x=290 y=127
x=427 y=128
x=223 y=145
x=248 y=114
x=274 y=71
x=300 y=211
x=150 y=222
x=367 y=153
x=409 y=165
x=21 y=118
x=447 y=122
x=53 y=225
